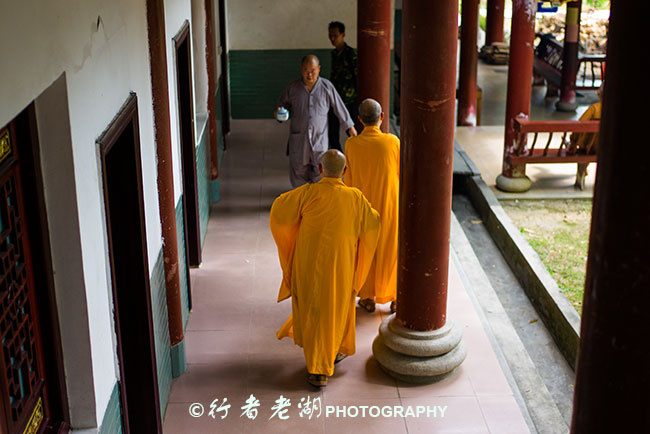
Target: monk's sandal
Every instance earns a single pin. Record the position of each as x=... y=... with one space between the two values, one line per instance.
x=339 y=357
x=317 y=380
x=393 y=308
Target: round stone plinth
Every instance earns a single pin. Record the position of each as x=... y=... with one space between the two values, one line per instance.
x=513 y=185
x=419 y=357
x=417 y=343
x=413 y=379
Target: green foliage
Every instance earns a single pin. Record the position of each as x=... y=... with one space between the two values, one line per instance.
x=598 y=4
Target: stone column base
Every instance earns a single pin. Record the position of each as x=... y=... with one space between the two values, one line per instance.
x=513 y=185
x=419 y=357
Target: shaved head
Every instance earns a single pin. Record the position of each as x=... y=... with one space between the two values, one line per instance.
x=310 y=69
x=310 y=58
x=370 y=111
x=333 y=163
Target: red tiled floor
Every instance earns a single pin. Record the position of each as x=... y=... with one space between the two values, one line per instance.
x=347 y=415
x=462 y=415
x=502 y=414
x=206 y=382
x=179 y=421
x=362 y=378
x=455 y=385
x=232 y=351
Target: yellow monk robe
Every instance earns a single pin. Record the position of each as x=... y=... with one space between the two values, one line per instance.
x=373 y=167
x=326 y=234
x=582 y=140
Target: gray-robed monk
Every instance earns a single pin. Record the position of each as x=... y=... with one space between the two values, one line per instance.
x=308 y=100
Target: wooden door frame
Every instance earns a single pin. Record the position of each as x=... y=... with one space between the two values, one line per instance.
x=185 y=101
x=126 y=119
x=24 y=133
x=41 y=254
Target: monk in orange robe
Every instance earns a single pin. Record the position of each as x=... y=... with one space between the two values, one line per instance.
x=326 y=234
x=373 y=167
x=586 y=143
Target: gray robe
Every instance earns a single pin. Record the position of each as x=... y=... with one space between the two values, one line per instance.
x=308 y=139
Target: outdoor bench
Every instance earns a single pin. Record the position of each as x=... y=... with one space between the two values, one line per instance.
x=538 y=142
x=548 y=62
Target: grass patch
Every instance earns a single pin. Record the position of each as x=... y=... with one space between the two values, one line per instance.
x=558 y=230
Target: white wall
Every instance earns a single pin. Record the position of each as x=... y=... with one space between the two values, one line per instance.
x=102 y=49
x=287 y=24
x=199 y=65
x=290 y=24
x=218 y=44
x=176 y=12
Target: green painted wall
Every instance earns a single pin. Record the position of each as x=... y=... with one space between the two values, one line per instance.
x=257 y=77
x=112 y=420
x=203 y=180
x=182 y=268
x=215 y=193
x=161 y=330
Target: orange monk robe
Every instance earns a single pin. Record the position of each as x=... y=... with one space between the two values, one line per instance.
x=373 y=167
x=326 y=234
x=582 y=140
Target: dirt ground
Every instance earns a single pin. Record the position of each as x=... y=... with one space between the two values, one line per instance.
x=558 y=230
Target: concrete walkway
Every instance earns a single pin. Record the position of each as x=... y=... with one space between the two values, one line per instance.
x=233 y=355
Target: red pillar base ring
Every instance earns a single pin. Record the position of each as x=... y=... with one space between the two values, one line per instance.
x=513 y=185
x=419 y=357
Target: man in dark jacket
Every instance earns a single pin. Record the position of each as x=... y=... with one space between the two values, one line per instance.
x=343 y=77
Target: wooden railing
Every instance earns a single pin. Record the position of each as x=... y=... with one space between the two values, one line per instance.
x=550 y=142
x=590 y=72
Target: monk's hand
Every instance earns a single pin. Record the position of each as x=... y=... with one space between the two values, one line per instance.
x=352 y=132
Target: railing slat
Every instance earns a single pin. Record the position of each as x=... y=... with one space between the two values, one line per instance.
x=548 y=143
x=562 y=144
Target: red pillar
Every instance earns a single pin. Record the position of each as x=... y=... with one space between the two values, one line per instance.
x=419 y=344
x=373 y=37
x=570 y=62
x=612 y=378
x=427 y=135
x=468 y=64
x=212 y=88
x=494 y=21
x=520 y=71
x=160 y=94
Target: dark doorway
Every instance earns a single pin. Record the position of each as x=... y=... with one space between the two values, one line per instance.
x=32 y=386
x=122 y=176
x=188 y=147
x=225 y=93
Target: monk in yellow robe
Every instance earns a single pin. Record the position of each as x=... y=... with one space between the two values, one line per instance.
x=373 y=167
x=586 y=143
x=326 y=234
